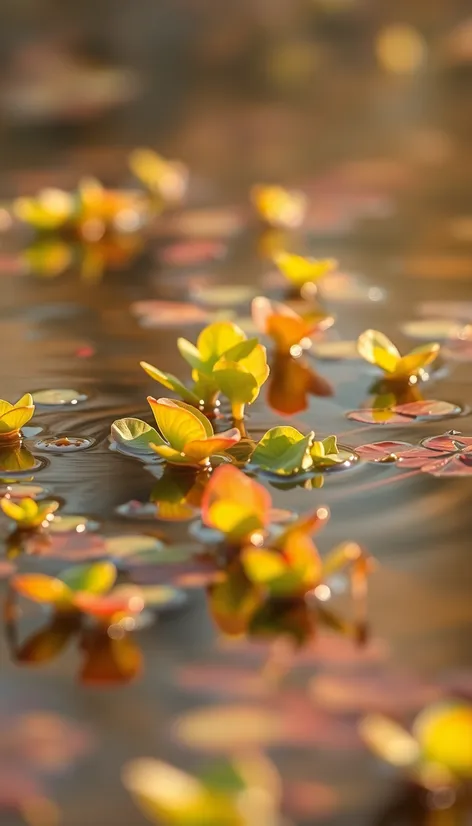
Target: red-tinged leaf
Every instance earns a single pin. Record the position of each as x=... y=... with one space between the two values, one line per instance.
x=382 y=451
x=109 y=661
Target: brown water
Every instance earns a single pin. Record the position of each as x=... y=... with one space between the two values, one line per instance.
x=418 y=528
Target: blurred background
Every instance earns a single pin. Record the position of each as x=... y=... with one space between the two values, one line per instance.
x=240 y=89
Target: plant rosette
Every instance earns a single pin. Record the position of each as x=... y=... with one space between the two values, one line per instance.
x=227 y=362
x=84 y=589
x=184 y=436
x=285 y=451
x=290 y=331
x=28 y=514
x=13 y=417
x=377 y=349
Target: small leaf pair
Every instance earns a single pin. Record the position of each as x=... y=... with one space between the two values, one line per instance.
x=439 y=748
x=14 y=416
x=290 y=331
x=377 y=349
x=279 y=207
x=286 y=451
x=299 y=270
x=29 y=514
x=243 y=792
x=166 y=179
x=83 y=588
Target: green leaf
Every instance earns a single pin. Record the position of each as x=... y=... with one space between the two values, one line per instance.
x=189 y=352
x=170 y=382
x=98 y=578
x=239 y=386
x=217 y=339
x=330 y=445
x=283 y=450
x=135 y=434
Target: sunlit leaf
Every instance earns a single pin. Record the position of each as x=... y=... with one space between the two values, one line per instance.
x=135 y=434
x=377 y=349
x=245 y=727
x=279 y=207
x=299 y=270
x=178 y=425
x=292 y=571
x=44 y=589
x=283 y=450
x=444 y=734
x=122 y=601
x=46 y=644
x=168 y=179
x=170 y=382
x=216 y=339
x=286 y=327
x=51 y=209
x=28 y=513
x=173 y=798
x=200 y=450
x=417 y=359
x=389 y=740
x=108 y=661
x=97 y=578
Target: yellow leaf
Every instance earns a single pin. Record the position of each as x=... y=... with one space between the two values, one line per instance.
x=419 y=358
x=216 y=339
x=42 y=588
x=389 y=740
x=178 y=425
x=444 y=733
x=377 y=349
x=299 y=270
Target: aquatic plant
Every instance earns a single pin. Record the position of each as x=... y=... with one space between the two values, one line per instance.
x=82 y=588
x=437 y=751
x=290 y=331
x=299 y=270
x=279 y=207
x=51 y=209
x=242 y=792
x=285 y=451
x=377 y=349
x=27 y=513
x=225 y=361
x=14 y=416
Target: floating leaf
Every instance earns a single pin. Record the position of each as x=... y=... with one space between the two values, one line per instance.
x=28 y=513
x=135 y=435
x=425 y=410
x=189 y=435
x=98 y=578
x=444 y=734
x=377 y=349
x=287 y=328
x=290 y=572
x=283 y=450
x=245 y=727
x=14 y=416
x=383 y=451
x=299 y=270
x=44 y=589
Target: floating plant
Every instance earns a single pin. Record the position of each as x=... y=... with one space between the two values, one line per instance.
x=285 y=451
x=22 y=490
x=300 y=271
x=377 y=349
x=51 y=209
x=278 y=207
x=28 y=514
x=290 y=331
x=436 y=752
x=223 y=361
x=13 y=417
x=426 y=410
x=242 y=792
x=446 y=455
x=185 y=436
x=226 y=362
x=134 y=436
x=85 y=589
x=73 y=523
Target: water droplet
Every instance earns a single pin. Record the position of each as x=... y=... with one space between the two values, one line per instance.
x=64 y=444
x=59 y=397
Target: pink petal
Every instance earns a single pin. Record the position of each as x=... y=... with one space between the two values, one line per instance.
x=455 y=466
x=379 y=451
